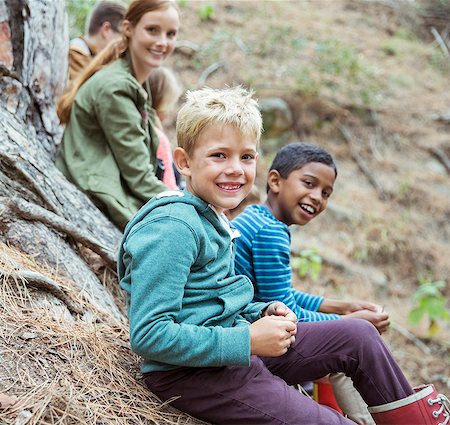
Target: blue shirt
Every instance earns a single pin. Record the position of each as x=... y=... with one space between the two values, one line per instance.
x=263 y=255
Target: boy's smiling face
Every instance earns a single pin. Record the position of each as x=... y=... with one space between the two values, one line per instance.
x=303 y=195
x=221 y=168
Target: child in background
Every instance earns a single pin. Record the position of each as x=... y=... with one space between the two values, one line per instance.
x=165 y=91
x=205 y=345
x=102 y=27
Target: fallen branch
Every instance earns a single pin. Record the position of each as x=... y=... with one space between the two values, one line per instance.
x=31 y=211
x=208 y=71
x=382 y=194
x=181 y=45
x=44 y=283
x=440 y=41
x=442 y=157
x=240 y=43
x=411 y=337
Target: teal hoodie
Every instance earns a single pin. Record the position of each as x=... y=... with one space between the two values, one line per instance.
x=186 y=306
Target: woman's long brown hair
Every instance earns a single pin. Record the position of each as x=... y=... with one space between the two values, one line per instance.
x=110 y=53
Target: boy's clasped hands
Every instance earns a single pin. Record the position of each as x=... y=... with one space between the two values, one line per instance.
x=273 y=334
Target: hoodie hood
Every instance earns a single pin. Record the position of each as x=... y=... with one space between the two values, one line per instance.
x=164 y=198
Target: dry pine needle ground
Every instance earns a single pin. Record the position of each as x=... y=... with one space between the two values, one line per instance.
x=63 y=369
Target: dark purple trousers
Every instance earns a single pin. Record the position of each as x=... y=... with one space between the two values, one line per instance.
x=260 y=393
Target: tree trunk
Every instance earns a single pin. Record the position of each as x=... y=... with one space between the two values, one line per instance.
x=42 y=214
x=64 y=345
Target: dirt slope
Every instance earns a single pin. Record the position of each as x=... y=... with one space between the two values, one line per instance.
x=374 y=71
x=363 y=79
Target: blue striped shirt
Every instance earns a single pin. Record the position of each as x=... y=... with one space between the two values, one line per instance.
x=263 y=254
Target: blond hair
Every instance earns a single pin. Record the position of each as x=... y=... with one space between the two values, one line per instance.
x=110 y=53
x=164 y=88
x=205 y=107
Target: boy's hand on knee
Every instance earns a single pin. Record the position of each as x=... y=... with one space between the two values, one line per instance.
x=346 y=307
x=379 y=319
x=271 y=336
x=280 y=309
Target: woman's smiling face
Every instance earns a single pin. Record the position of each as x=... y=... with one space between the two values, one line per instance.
x=152 y=40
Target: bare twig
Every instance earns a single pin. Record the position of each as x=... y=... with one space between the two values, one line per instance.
x=208 y=71
x=31 y=211
x=441 y=42
x=192 y=48
x=240 y=43
x=382 y=194
x=44 y=283
x=442 y=157
x=411 y=337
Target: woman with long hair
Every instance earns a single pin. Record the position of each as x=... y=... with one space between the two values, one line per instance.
x=109 y=143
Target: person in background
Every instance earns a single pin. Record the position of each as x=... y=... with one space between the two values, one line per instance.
x=165 y=90
x=109 y=144
x=102 y=27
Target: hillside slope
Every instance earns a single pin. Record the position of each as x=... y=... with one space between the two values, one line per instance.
x=367 y=81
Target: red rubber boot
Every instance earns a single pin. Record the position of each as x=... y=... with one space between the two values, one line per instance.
x=424 y=407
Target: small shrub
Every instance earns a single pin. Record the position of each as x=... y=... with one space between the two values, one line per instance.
x=206 y=12
x=389 y=48
x=308 y=263
x=430 y=303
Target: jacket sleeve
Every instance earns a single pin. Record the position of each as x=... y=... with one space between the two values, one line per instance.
x=121 y=120
x=160 y=256
x=273 y=277
x=254 y=310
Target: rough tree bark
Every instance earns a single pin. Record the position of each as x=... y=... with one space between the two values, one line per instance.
x=41 y=213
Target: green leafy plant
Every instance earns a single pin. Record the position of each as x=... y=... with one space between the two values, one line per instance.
x=78 y=11
x=430 y=303
x=308 y=263
x=206 y=12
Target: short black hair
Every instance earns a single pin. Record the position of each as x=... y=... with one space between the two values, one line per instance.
x=296 y=155
x=106 y=11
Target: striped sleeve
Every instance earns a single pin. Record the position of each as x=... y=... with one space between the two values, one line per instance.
x=273 y=276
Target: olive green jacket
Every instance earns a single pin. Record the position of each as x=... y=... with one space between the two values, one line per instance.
x=109 y=144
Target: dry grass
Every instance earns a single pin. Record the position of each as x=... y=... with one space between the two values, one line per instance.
x=68 y=370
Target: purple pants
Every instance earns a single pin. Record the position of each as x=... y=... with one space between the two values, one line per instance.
x=260 y=394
